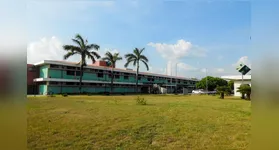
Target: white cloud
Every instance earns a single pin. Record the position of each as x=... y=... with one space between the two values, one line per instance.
x=220 y=70
x=52 y=49
x=179 y=50
x=44 y=49
x=203 y=70
x=186 y=67
x=245 y=60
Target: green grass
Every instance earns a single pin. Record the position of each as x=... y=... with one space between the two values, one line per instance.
x=117 y=122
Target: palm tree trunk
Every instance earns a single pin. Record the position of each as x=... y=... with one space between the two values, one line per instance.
x=111 y=83
x=242 y=95
x=80 y=77
x=222 y=95
x=137 y=77
x=248 y=96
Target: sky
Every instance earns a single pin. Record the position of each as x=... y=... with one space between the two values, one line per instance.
x=197 y=38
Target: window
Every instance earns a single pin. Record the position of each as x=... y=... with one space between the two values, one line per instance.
x=126 y=77
x=70 y=83
x=168 y=81
x=100 y=75
x=54 y=66
x=116 y=76
x=77 y=73
x=139 y=78
x=71 y=68
x=71 y=73
x=54 y=83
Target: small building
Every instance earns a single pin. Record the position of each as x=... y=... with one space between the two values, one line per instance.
x=238 y=81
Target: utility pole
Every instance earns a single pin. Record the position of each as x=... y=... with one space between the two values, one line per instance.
x=241 y=78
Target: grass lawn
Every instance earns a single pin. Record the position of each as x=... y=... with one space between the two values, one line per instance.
x=116 y=122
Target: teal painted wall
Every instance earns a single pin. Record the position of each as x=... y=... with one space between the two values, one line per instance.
x=53 y=73
x=42 y=89
x=57 y=89
x=44 y=71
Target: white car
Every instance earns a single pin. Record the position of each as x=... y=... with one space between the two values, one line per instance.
x=199 y=91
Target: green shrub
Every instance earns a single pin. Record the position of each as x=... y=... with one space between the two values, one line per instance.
x=141 y=101
x=64 y=94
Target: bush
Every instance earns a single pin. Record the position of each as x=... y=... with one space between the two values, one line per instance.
x=64 y=94
x=141 y=101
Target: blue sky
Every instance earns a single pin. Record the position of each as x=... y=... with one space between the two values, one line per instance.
x=197 y=34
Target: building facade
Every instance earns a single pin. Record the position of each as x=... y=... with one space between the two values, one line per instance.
x=59 y=77
x=238 y=81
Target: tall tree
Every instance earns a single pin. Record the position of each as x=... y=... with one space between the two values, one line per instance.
x=212 y=83
x=83 y=49
x=136 y=57
x=111 y=59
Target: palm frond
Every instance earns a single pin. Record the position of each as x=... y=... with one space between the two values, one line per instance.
x=131 y=59
x=95 y=54
x=69 y=54
x=77 y=42
x=93 y=46
x=116 y=57
x=141 y=50
x=146 y=65
x=142 y=57
x=92 y=58
x=105 y=59
x=136 y=52
x=78 y=37
x=72 y=48
x=127 y=64
x=109 y=55
x=135 y=62
x=127 y=56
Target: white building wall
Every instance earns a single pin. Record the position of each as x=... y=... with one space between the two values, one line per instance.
x=237 y=84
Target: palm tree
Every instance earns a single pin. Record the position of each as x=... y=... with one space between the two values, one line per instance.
x=136 y=57
x=112 y=59
x=83 y=49
x=245 y=89
x=222 y=90
x=240 y=90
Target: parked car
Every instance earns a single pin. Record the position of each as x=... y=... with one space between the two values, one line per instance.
x=199 y=91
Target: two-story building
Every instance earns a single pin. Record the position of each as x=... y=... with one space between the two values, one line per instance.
x=63 y=77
